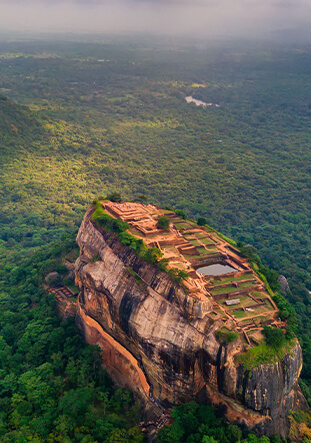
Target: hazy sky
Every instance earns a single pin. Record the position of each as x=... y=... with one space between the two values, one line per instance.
x=202 y=17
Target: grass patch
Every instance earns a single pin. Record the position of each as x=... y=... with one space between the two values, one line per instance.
x=194 y=242
x=229 y=240
x=181 y=225
x=207 y=252
x=228 y=289
x=260 y=309
x=238 y=313
x=247 y=284
x=263 y=355
x=136 y=232
x=208 y=228
x=227 y=336
x=206 y=241
x=232 y=279
x=71 y=286
x=225 y=290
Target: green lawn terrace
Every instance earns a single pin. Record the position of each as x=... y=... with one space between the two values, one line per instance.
x=243 y=298
x=238 y=298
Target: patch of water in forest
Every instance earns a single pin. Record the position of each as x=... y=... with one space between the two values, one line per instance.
x=190 y=99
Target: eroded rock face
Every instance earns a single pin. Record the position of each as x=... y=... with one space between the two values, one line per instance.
x=273 y=390
x=284 y=283
x=157 y=341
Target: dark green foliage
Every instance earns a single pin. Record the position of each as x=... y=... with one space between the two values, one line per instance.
x=102 y=218
x=115 y=197
x=109 y=223
x=181 y=213
x=202 y=221
x=178 y=274
x=152 y=255
x=198 y=424
x=271 y=276
x=274 y=337
x=227 y=336
x=142 y=199
x=163 y=222
x=287 y=311
x=244 y=166
x=119 y=227
x=128 y=239
x=52 y=386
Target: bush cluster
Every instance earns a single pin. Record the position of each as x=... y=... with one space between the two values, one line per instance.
x=227 y=336
x=163 y=222
x=274 y=337
x=195 y=423
x=119 y=227
x=109 y=223
x=149 y=254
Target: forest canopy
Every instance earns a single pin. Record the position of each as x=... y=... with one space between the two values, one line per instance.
x=83 y=120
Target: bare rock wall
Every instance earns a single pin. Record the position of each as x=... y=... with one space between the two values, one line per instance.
x=153 y=335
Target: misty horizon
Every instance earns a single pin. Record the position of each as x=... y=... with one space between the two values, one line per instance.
x=201 y=18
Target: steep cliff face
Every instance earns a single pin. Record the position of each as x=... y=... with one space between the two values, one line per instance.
x=156 y=340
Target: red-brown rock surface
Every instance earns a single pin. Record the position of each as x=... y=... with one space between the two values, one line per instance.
x=150 y=338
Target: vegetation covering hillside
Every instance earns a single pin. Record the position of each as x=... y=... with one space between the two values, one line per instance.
x=52 y=386
x=109 y=116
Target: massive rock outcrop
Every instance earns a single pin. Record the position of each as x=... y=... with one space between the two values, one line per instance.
x=155 y=341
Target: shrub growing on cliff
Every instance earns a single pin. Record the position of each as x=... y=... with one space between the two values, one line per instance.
x=152 y=255
x=264 y=354
x=227 y=336
x=177 y=274
x=109 y=223
x=181 y=213
x=119 y=226
x=162 y=264
x=201 y=221
x=102 y=218
x=114 y=197
x=274 y=337
x=127 y=239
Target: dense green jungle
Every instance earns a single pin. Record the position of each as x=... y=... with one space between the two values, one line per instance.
x=82 y=118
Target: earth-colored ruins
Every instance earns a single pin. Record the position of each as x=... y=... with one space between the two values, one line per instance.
x=238 y=297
